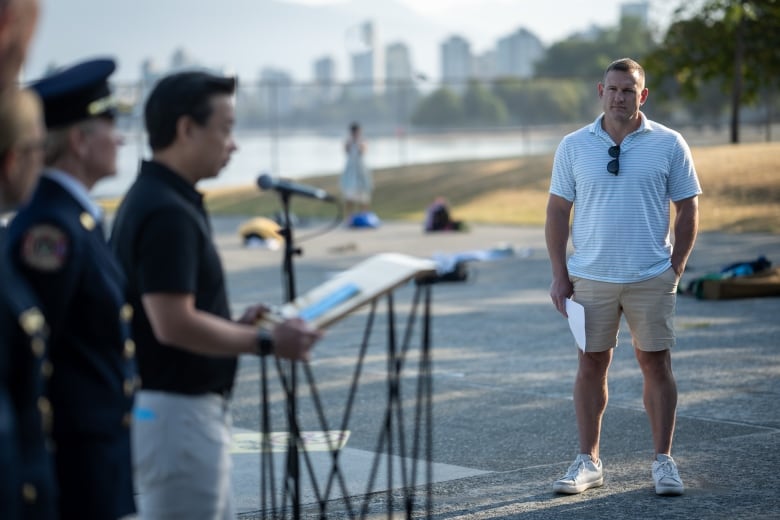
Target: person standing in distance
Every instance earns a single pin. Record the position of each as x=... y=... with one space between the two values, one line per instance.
x=187 y=343
x=621 y=174
x=356 y=183
x=57 y=243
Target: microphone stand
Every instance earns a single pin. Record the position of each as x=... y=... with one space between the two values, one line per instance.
x=292 y=478
x=289 y=379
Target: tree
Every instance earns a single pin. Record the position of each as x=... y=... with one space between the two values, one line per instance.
x=731 y=42
x=442 y=108
x=481 y=106
x=587 y=56
x=546 y=101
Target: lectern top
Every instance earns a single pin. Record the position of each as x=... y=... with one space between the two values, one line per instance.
x=355 y=287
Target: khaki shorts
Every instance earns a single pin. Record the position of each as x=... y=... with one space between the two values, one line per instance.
x=648 y=307
x=181 y=456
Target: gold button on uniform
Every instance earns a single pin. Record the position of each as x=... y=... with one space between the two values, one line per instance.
x=38 y=347
x=129 y=386
x=47 y=369
x=29 y=493
x=129 y=351
x=126 y=313
x=32 y=321
x=44 y=406
x=88 y=221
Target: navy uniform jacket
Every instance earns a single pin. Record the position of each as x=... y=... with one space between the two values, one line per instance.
x=60 y=249
x=28 y=488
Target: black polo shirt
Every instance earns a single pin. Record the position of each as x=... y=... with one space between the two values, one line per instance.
x=162 y=237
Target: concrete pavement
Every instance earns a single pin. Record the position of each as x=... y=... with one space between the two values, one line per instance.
x=503 y=365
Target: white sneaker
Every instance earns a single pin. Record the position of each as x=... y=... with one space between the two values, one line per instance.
x=667 y=479
x=582 y=474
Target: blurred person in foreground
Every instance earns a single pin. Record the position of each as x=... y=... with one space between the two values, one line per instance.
x=22 y=134
x=57 y=243
x=621 y=174
x=27 y=488
x=27 y=483
x=188 y=344
x=18 y=19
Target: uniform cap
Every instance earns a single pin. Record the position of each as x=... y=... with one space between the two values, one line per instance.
x=77 y=93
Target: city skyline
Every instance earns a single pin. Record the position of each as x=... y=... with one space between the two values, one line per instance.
x=300 y=34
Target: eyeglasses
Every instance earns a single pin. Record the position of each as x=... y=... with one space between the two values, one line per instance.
x=613 y=166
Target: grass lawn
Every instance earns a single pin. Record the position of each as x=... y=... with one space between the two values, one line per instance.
x=741 y=185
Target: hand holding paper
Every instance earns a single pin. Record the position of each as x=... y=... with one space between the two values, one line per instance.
x=576 y=314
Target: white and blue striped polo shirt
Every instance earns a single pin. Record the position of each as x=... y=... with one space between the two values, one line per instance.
x=620 y=230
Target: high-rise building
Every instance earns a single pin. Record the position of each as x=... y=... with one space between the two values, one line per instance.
x=368 y=62
x=325 y=70
x=485 y=65
x=276 y=92
x=150 y=73
x=181 y=59
x=638 y=10
x=517 y=53
x=325 y=78
x=398 y=63
x=456 y=62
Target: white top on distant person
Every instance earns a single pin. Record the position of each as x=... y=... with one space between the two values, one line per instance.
x=357 y=183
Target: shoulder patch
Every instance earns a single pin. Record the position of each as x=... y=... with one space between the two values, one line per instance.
x=45 y=247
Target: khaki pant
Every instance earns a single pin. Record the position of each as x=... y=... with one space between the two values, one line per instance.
x=181 y=456
x=648 y=306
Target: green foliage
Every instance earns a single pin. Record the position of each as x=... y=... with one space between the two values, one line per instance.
x=588 y=56
x=545 y=101
x=442 y=108
x=699 y=48
x=482 y=107
x=574 y=57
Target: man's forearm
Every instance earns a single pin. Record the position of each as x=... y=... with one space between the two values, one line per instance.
x=686 y=226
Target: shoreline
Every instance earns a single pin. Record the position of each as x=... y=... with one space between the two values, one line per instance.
x=741 y=190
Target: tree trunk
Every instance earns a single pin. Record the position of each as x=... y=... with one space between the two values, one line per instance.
x=736 y=93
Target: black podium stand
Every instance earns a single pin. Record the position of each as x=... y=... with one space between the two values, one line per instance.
x=402 y=441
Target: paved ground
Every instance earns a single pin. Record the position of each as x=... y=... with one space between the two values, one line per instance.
x=503 y=364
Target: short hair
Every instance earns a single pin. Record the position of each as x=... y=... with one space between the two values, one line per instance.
x=19 y=110
x=178 y=95
x=627 y=65
x=354 y=127
x=58 y=140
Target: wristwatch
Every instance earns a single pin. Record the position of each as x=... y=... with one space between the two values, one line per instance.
x=265 y=343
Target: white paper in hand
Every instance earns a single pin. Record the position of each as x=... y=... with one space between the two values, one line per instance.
x=576 y=314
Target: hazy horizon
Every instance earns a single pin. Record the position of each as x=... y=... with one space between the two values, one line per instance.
x=245 y=36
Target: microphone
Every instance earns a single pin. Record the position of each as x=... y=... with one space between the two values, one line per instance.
x=266 y=182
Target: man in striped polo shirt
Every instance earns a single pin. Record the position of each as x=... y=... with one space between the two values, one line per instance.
x=622 y=173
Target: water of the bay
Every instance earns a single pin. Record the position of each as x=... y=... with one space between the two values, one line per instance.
x=295 y=156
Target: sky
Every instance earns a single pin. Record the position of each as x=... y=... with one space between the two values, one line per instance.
x=243 y=36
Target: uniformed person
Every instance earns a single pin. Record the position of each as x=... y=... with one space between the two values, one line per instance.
x=27 y=476
x=27 y=488
x=57 y=243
